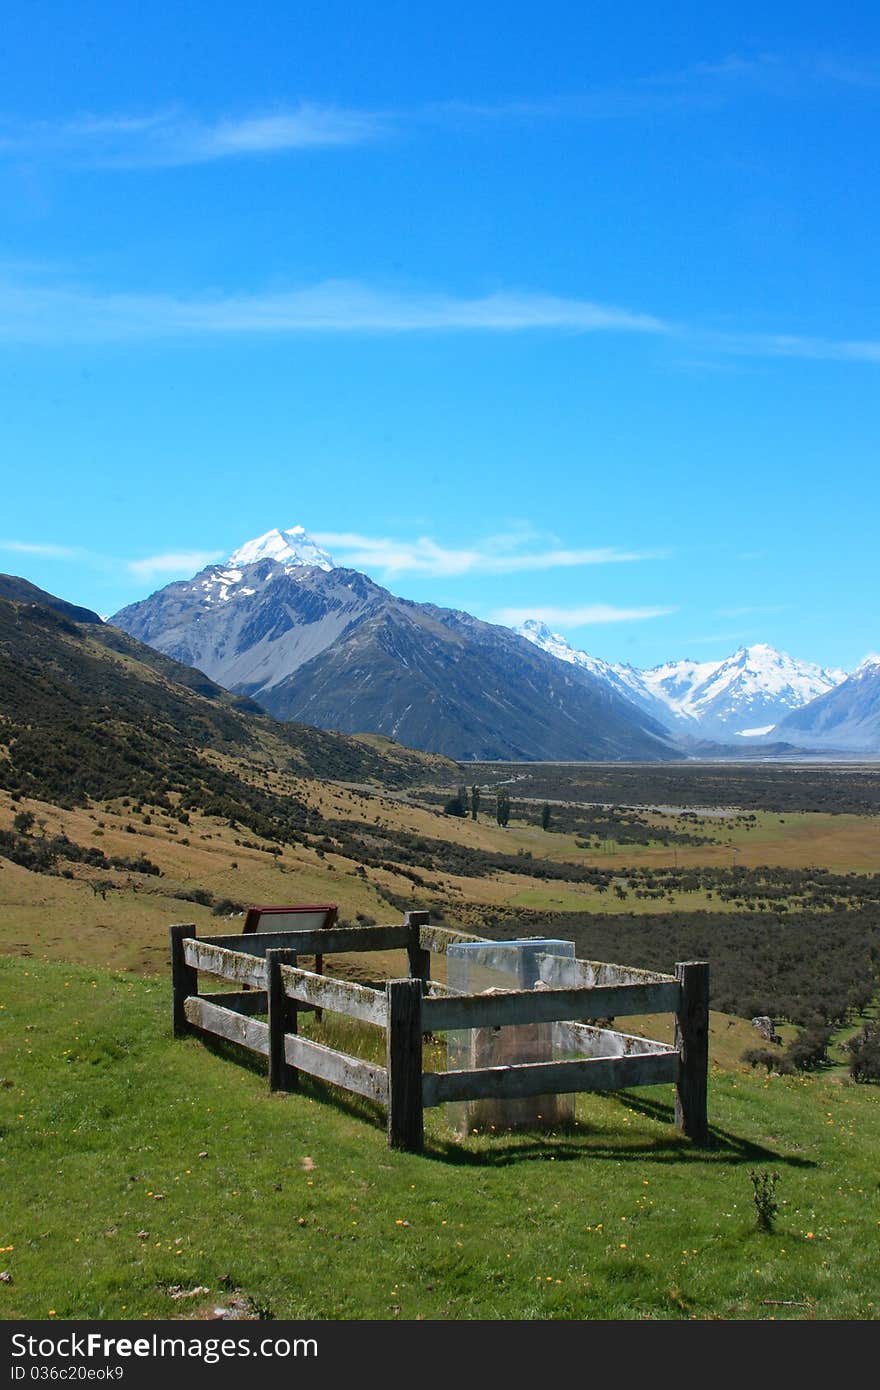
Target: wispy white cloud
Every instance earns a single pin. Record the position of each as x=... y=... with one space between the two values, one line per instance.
x=705 y=86
x=494 y=555
x=175 y=136
x=749 y=610
x=44 y=549
x=165 y=139
x=796 y=345
x=50 y=312
x=182 y=562
x=584 y=615
x=39 y=307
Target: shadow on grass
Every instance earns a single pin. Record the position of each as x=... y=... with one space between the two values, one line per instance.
x=232 y=1052
x=322 y=1092
x=578 y=1142
x=589 y=1142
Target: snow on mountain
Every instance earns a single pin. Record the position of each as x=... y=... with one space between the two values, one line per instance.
x=256 y=563
x=743 y=696
x=674 y=682
x=279 y=604
x=290 y=548
x=845 y=718
x=554 y=643
x=625 y=680
x=327 y=646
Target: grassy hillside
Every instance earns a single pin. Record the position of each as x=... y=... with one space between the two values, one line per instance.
x=87 y=712
x=145 y=1177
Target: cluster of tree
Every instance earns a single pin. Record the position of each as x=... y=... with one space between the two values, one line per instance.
x=767 y=890
x=809 y=1051
x=456 y=805
x=370 y=843
x=749 y=787
x=46 y=854
x=816 y=970
x=806 y=1052
x=763 y=888
x=625 y=826
x=461 y=802
x=599 y=824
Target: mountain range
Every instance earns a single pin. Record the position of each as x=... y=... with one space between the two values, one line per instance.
x=308 y=641
x=744 y=696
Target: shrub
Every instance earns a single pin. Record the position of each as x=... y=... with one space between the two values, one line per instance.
x=766 y=1205
x=194 y=895
x=864 y=1051
x=809 y=1049
x=226 y=907
x=766 y=1057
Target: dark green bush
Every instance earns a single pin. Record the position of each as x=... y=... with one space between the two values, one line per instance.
x=864 y=1050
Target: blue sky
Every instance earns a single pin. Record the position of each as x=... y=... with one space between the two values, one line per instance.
x=568 y=311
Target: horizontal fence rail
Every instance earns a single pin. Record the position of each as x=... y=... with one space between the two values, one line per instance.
x=555 y=970
x=558 y=1078
x=588 y=1041
x=547 y=1005
x=321 y=941
x=439 y=939
x=230 y=964
x=265 y=966
x=341 y=996
x=229 y=1024
x=337 y=1067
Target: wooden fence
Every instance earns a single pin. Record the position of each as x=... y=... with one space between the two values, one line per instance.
x=265 y=966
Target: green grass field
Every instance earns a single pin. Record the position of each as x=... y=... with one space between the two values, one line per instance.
x=135 y=1168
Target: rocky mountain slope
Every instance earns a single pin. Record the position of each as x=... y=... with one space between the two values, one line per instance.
x=847 y=718
x=329 y=647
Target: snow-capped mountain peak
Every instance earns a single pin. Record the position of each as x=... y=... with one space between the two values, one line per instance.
x=624 y=680
x=539 y=633
x=745 y=695
x=868 y=664
x=292 y=548
x=255 y=565
x=748 y=692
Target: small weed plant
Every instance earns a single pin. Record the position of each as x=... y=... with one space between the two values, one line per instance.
x=766 y=1205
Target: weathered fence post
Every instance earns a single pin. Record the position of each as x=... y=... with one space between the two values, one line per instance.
x=406 y=1123
x=419 y=958
x=692 y=1042
x=184 y=978
x=283 y=1017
